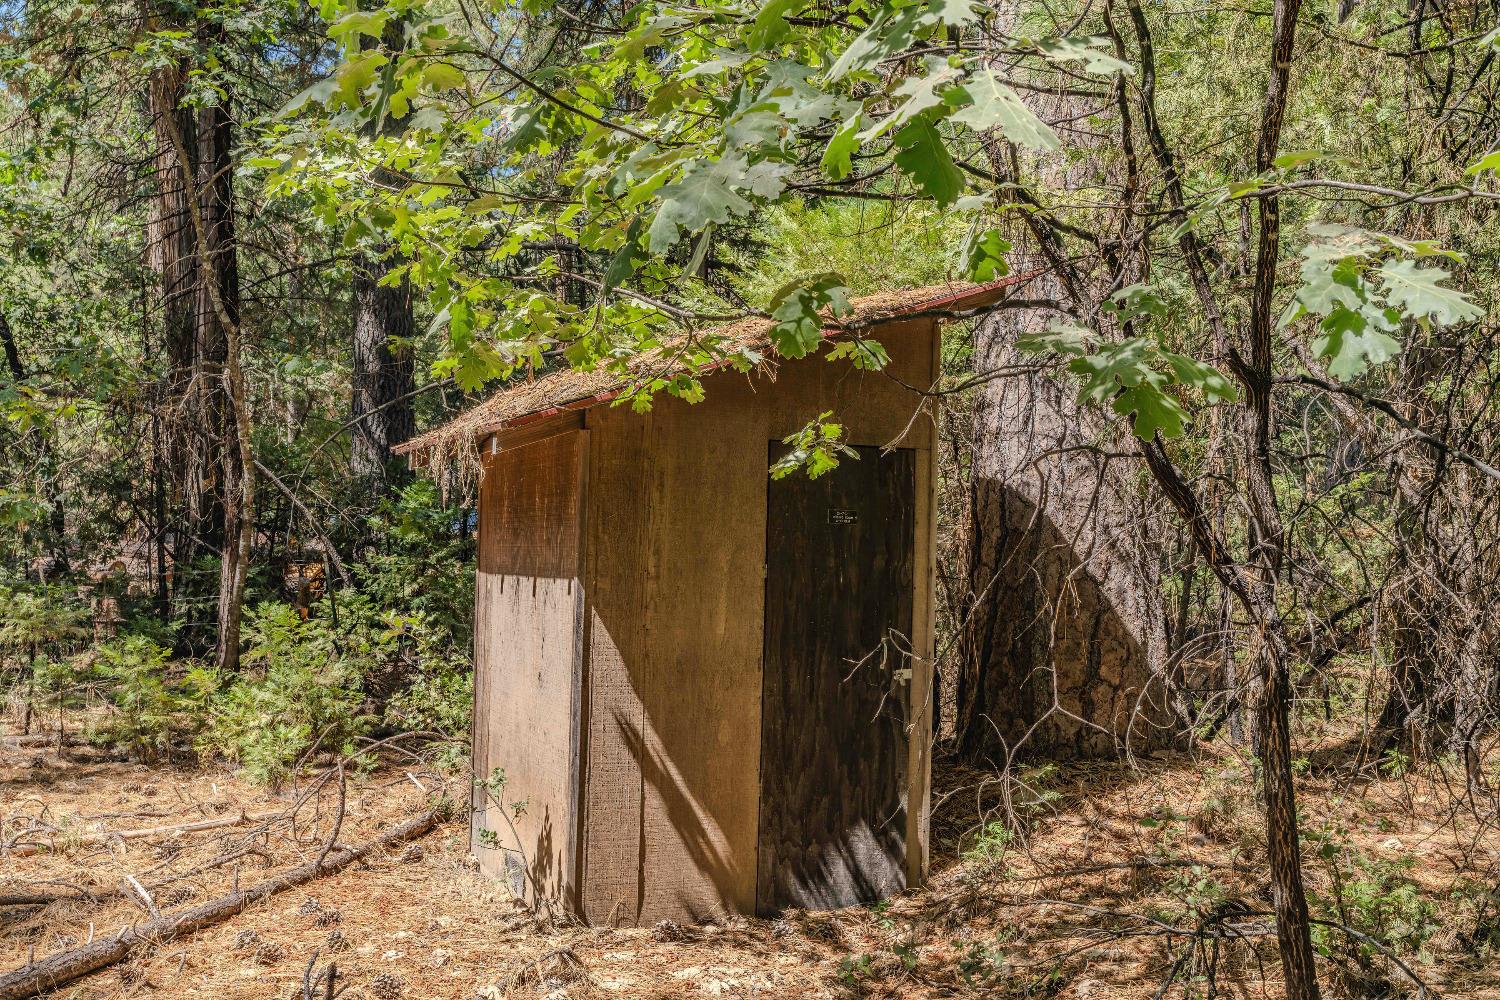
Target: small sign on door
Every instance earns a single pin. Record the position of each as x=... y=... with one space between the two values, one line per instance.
x=842 y=515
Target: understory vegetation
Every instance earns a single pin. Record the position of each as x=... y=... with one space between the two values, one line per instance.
x=1231 y=431
x=389 y=654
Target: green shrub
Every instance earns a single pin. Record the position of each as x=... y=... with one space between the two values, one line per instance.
x=307 y=699
x=40 y=620
x=40 y=627
x=439 y=702
x=417 y=566
x=1374 y=896
x=154 y=714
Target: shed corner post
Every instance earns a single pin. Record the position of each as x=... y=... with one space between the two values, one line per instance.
x=921 y=689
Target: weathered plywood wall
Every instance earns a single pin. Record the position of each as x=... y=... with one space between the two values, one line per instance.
x=674 y=621
x=527 y=661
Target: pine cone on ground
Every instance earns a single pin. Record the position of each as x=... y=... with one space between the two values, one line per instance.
x=387 y=986
x=268 y=953
x=176 y=896
x=668 y=930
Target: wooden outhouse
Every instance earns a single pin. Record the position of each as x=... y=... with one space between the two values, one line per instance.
x=708 y=690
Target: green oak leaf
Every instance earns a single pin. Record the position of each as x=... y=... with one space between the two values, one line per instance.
x=838 y=160
x=1088 y=51
x=1416 y=291
x=1350 y=343
x=920 y=92
x=770 y=25
x=1155 y=411
x=984 y=257
x=630 y=256
x=701 y=196
x=993 y=104
x=955 y=13
x=442 y=76
x=866 y=355
x=1205 y=378
x=796 y=308
x=1123 y=364
x=1060 y=337
x=924 y=158
x=886 y=36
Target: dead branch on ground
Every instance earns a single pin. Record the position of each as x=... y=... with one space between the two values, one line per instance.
x=69 y=966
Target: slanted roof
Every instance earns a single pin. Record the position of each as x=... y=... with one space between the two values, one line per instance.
x=571 y=389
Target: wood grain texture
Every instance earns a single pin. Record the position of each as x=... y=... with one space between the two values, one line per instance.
x=701 y=738
x=615 y=639
x=673 y=620
x=834 y=747
x=528 y=599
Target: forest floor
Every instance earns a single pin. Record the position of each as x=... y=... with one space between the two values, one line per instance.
x=1116 y=856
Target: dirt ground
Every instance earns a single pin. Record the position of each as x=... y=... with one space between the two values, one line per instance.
x=1091 y=904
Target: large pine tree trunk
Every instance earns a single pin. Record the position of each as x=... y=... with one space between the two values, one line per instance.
x=382 y=378
x=186 y=453
x=1065 y=634
x=383 y=327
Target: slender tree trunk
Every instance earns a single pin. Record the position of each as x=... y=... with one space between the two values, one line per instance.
x=218 y=319
x=1267 y=549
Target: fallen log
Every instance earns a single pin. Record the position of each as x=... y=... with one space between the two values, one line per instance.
x=69 y=966
x=104 y=836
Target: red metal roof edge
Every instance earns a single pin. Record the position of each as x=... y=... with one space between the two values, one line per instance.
x=970 y=297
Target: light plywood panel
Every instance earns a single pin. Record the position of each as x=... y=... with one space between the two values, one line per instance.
x=528 y=599
x=702 y=692
x=675 y=621
x=619 y=562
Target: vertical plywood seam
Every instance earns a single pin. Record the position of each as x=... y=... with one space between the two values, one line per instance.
x=655 y=498
x=760 y=757
x=579 y=696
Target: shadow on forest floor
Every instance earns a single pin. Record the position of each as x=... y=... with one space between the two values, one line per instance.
x=1075 y=906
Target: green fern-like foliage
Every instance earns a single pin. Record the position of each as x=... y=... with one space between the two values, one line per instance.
x=301 y=695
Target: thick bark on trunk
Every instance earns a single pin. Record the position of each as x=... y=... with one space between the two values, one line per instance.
x=172 y=256
x=1066 y=628
x=383 y=327
x=382 y=378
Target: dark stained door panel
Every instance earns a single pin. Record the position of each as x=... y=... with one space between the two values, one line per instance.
x=839 y=590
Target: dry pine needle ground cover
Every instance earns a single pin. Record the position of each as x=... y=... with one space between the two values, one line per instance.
x=1074 y=909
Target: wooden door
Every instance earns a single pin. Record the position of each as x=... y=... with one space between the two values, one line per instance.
x=839 y=592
